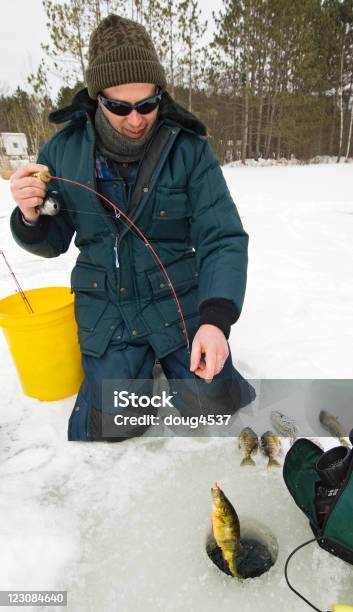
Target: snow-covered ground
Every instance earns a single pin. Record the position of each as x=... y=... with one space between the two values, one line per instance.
x=123 y=526
x=284 y=161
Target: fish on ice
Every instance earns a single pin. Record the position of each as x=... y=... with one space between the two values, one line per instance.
x=271 y=447
x=284 y=425
x=333 y=426
x=249 y=444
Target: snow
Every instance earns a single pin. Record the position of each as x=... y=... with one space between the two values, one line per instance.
x=123 y=526
x=297 y=315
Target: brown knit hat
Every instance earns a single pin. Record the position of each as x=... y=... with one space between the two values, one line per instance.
x=121 y=51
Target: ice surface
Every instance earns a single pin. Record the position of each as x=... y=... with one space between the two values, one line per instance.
x=123 y=526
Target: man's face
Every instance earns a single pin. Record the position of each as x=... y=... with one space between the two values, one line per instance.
x=134 y=125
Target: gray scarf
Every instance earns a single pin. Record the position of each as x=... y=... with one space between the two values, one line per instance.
x=116 y=146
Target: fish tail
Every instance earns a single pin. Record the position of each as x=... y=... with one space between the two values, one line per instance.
x=273 y=463
x=247 y=461
x=231 y=564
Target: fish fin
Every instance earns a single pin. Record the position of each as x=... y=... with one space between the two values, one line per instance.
x=273 y=463
x=247 y=461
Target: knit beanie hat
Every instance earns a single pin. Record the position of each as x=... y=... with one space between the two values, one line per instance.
x=121 y=51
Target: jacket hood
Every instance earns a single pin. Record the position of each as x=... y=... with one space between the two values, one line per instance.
x=168 y=110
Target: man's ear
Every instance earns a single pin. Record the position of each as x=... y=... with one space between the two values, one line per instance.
x=99 y=104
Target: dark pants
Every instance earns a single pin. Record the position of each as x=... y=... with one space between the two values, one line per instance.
x=132 y=359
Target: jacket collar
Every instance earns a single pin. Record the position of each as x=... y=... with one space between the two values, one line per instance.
x=169 y=111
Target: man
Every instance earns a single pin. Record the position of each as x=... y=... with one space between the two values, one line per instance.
x=126 y=137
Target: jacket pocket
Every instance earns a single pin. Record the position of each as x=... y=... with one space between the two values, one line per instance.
x=88 y=278
x=170 y=216
x=171 y=203
x=88 y=311
x=96 y=316
x=88 y=284
x=184 y=278
x=182 y=273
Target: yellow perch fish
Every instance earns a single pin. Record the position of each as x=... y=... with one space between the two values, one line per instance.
x=333 y=426
x=271 y=447
x=226 y=528
x=249 y=444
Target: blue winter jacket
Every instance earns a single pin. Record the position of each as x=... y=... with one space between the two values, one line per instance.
x=180 y=202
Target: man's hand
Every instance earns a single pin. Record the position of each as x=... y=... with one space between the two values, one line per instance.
x=210 y=340
x=28 y=191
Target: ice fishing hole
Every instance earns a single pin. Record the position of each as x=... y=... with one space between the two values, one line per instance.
x=259 y=543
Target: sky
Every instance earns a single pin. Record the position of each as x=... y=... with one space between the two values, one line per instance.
x=23 y=28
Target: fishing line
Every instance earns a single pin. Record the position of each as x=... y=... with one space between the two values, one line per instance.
x=286 y=573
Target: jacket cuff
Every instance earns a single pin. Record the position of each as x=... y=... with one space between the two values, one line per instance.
x=28 y=223
x=219 y=312
x=29 y=234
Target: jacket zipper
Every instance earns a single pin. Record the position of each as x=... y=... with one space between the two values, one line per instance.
x=116 y=252
x=132 y=188
x=117 y=214
x=117 y=240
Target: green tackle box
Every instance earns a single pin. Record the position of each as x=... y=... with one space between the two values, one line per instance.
x=300 y=476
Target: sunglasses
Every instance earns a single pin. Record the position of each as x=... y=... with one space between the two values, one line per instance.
x=118 y=107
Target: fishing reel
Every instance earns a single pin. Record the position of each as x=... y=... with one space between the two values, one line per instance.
x=332 y=468
x=50 y=206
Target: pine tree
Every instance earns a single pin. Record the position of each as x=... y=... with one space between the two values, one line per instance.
x=225 y=74
x=192 y=29
x=169 y=40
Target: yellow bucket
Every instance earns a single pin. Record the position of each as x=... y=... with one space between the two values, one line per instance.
x=44 y=345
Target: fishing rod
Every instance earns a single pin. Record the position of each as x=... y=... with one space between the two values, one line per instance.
x=46 y=177
x=20 y=290
x=53 y=209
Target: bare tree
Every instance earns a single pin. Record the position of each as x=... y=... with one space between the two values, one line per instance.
x=70 y=25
